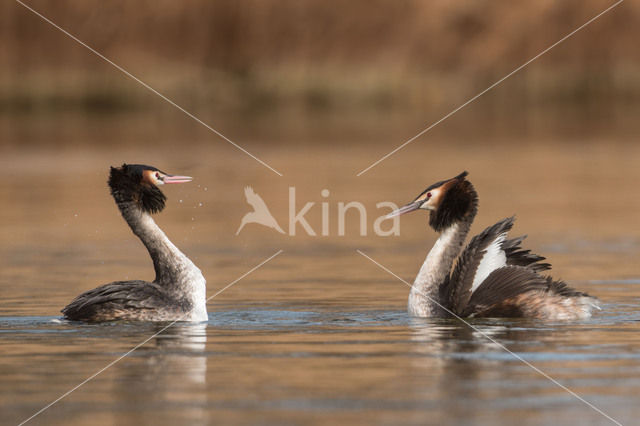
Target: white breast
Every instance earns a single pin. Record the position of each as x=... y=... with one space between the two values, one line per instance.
x=198 y=286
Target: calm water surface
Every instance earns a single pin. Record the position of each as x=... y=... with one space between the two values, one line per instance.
x=319 y=334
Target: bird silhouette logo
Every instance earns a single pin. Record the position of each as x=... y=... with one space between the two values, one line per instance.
x=260 y=214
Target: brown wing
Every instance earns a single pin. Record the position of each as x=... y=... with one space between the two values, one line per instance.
x=500 y=294
x=457 y=290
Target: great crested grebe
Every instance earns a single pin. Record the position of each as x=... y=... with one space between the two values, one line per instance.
x=493 y=276
x=179 y=289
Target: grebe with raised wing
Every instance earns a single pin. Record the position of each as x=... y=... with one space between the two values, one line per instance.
x=493 y=276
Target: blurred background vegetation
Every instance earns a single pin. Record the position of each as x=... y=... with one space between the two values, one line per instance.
x=315 y=68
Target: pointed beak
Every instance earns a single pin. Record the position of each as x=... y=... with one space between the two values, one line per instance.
x=414 y=205
x=177 y=179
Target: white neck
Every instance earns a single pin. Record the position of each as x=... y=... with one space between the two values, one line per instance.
x=174 y=271
x=424 y=299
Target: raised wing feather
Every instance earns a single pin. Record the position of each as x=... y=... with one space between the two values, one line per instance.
x=486 y=252
x=517 y=256
x=458 y=289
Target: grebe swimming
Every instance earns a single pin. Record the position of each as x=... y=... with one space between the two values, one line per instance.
x=493 y=276
x=179 y=289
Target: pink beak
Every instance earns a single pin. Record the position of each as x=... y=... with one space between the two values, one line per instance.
x=177 y=179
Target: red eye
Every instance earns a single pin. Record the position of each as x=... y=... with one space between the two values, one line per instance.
x=428 y=195
x=157 y=175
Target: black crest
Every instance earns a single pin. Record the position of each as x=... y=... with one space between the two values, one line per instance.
x=127 y=185
x=459 y=200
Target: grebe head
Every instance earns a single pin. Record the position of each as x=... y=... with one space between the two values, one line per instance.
x=449 y=201
x=139 y=183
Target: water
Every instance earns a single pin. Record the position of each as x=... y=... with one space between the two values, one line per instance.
x=275 y=366
x=319 y=334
